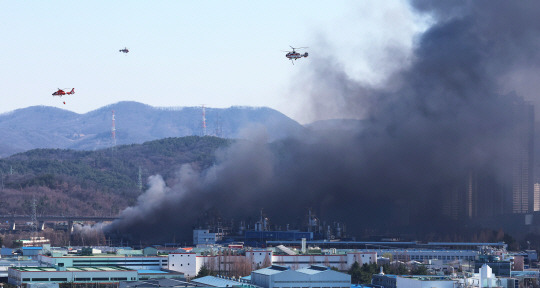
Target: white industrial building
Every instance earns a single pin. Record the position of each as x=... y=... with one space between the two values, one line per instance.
x=24 y=275
x=425 y=282
x=314 y=276
x=484 y=279
x=131 y=262
x=422 y=255
x=191 y=263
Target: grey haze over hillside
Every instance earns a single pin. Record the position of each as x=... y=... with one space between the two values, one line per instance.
x=50 y=127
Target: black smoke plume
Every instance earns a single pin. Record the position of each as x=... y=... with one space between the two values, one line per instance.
x=444 y=118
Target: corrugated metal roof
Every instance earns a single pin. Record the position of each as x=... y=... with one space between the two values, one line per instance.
x=146 y=271
x=313 y=269
x=274 y=269
x=215 y=281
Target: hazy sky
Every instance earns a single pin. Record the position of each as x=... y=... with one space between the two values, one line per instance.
x=187 y=53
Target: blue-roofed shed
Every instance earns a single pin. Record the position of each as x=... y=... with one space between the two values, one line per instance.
x=31 y=251
x=6 y=252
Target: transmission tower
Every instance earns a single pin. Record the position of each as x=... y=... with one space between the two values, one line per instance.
x=219 y=129
x=203 y=120
x=113 y=131
x=34 y=217
x=140 y=179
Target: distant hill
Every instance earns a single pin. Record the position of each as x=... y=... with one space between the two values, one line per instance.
x=49 y=127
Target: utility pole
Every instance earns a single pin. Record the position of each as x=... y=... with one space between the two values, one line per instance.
x=140 y=179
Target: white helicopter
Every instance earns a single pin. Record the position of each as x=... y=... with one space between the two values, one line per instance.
x=293 y=55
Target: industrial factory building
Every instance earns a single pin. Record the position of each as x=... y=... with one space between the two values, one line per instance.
x=191 y=263
x=314 y=276
x=98 y=260
x=484 y=279
x=24 y=275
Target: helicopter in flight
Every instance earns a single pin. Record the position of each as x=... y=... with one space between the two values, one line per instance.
x=293 y=55
x=125 y=50
x=61 y=92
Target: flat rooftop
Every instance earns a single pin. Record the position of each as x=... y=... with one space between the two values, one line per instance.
x=104 y=255
x=428 y=277
x=73 y=269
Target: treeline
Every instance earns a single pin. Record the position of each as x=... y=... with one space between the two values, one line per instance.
x=90 y=180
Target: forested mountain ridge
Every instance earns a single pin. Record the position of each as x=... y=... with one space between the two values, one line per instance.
x=99 y=182
x=50 y=127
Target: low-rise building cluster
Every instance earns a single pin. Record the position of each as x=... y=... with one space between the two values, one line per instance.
x=303 y=266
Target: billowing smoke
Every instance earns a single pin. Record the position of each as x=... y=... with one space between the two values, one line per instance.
x=445 y=118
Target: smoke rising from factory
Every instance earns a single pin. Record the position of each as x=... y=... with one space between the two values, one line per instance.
x=446 y=115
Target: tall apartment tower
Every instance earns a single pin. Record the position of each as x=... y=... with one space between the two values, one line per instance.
x=523 y=158
x=536 y=205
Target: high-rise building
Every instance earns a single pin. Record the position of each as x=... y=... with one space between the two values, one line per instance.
x=471 y=196
x=487 y=193
x=523 y=157
x=536 y=197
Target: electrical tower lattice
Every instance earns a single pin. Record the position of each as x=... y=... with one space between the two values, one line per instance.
x=113 y=131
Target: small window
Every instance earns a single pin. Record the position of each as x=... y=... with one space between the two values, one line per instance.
x=181 y=264
x=60 y=264
x=172 y=264
x=100 y=279
x=59 y=279
x=82 y=279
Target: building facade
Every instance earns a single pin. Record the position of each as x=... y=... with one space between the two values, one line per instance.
x=132 y=262
x=314 y=276
x=523 y=158
x=24 y=275
x=191 y=263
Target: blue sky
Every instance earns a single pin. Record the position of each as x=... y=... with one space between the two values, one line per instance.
x=187 y=53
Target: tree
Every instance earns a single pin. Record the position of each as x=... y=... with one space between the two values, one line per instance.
x=419 y=270
x=355 y=272
x=266 y=261
x=389 y=256
x=204 y=271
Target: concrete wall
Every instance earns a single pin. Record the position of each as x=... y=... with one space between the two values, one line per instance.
x=298 y=279
x=186 y=263
x=151 y=262
x=17 y=277
x=403 y=282
x=190 y=265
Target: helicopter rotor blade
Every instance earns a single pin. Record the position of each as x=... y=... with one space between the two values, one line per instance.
x=298 y=47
